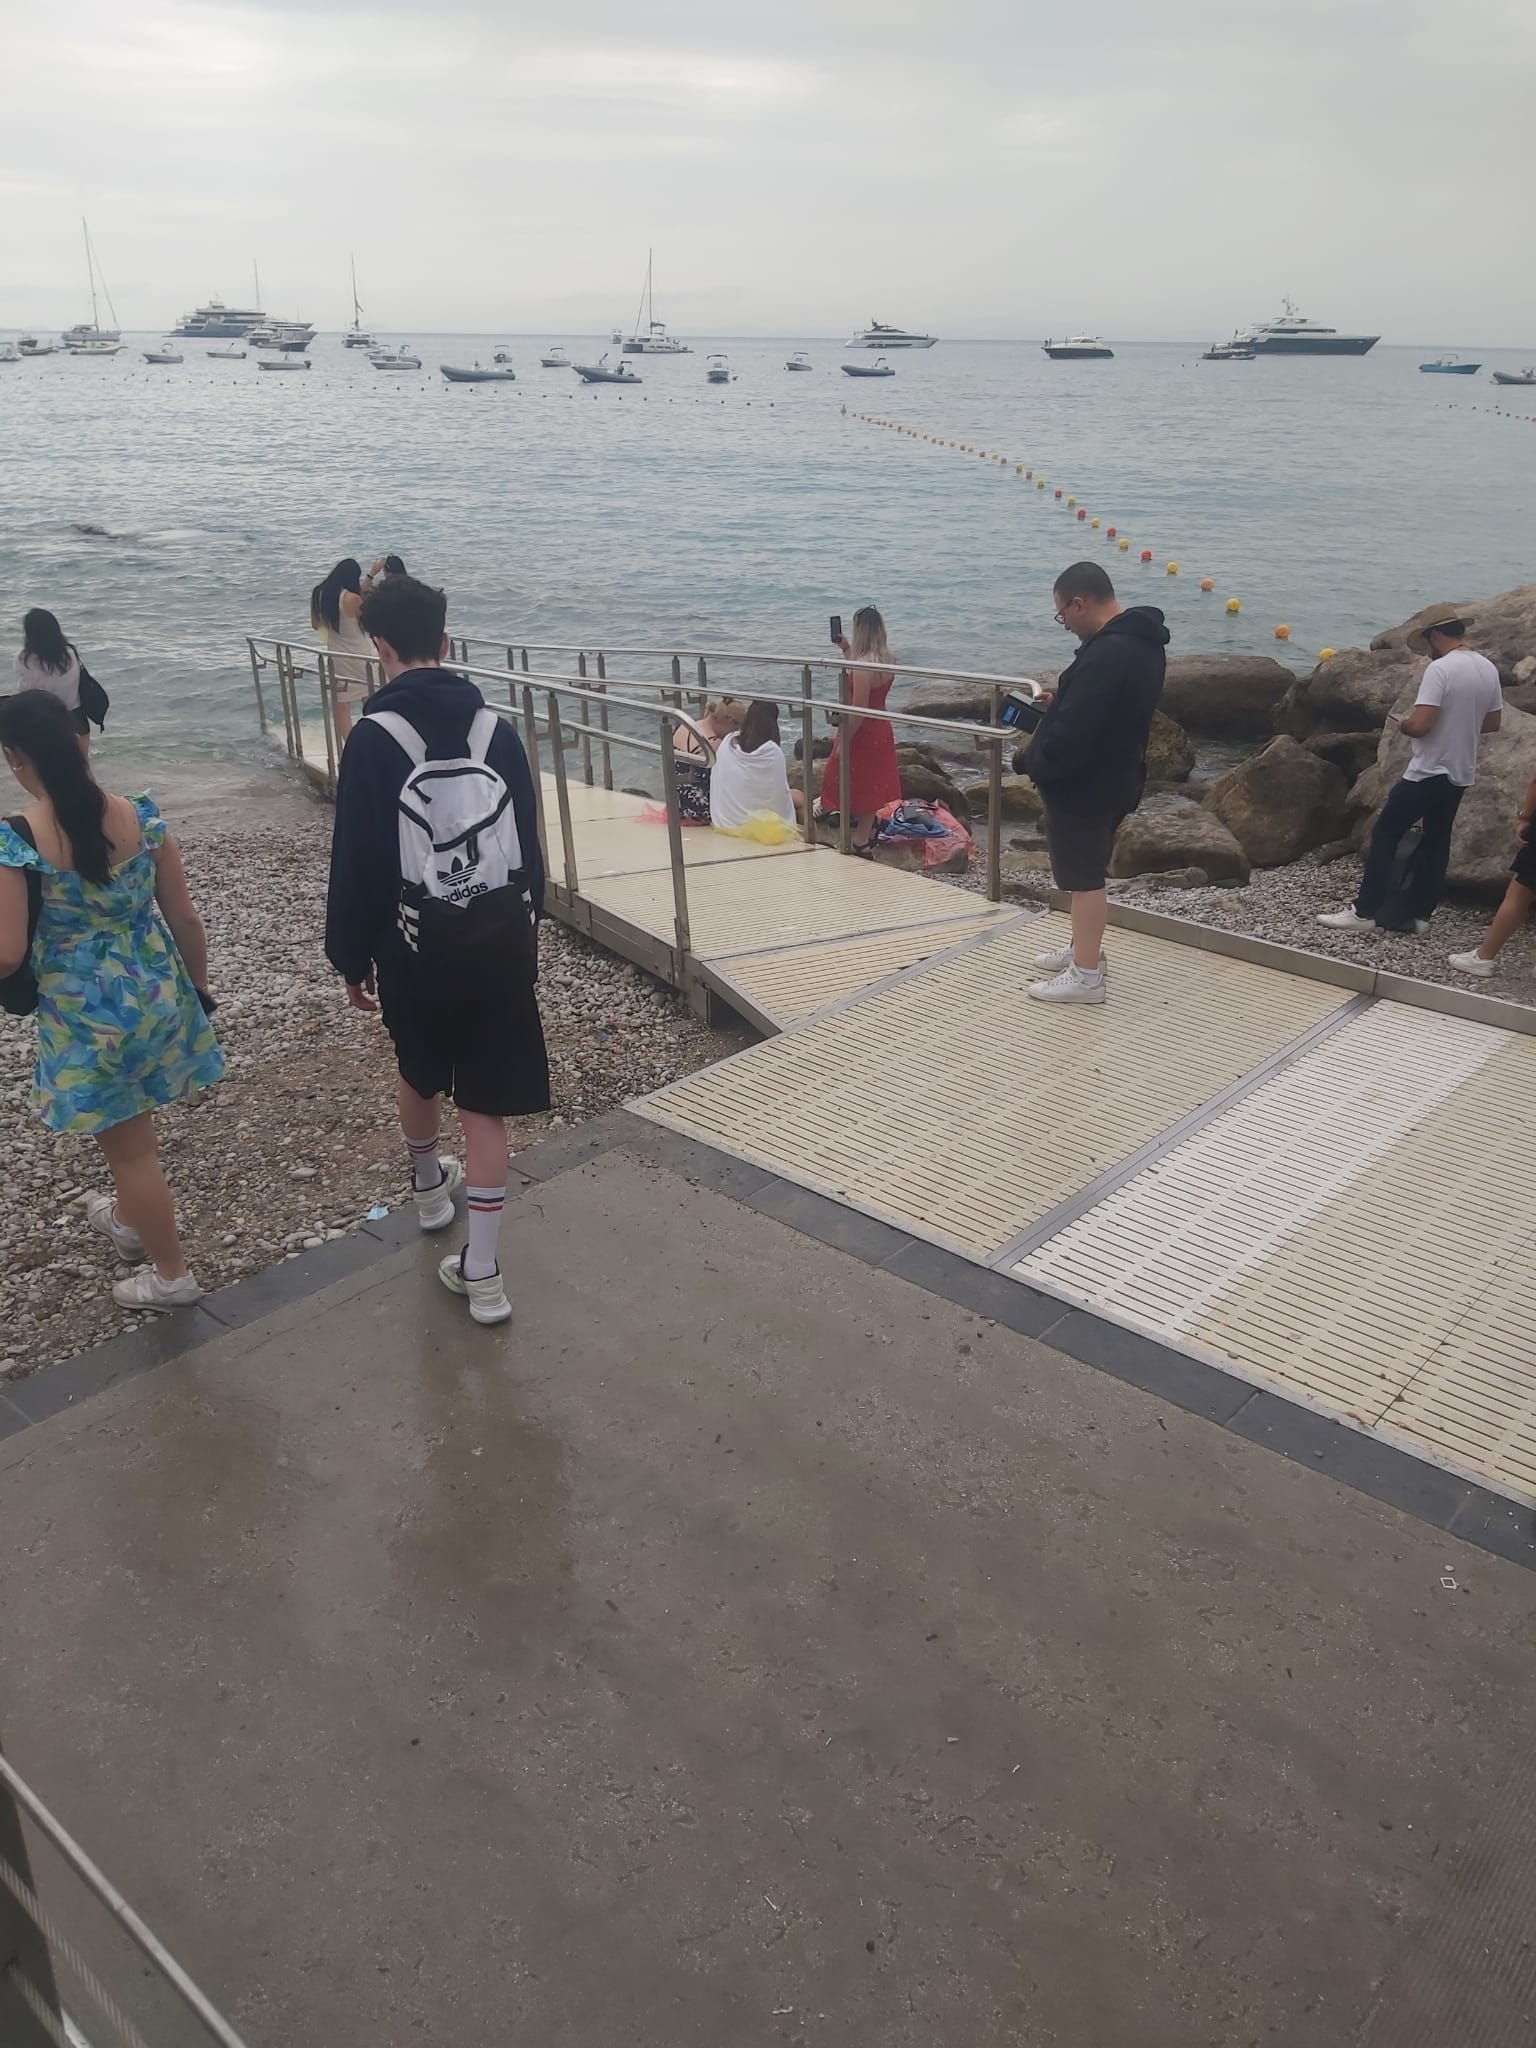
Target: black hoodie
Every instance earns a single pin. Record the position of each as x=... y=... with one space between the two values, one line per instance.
x=364 y=896
x=1092 y=742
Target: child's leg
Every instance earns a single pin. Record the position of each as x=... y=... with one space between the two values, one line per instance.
x=143 y=1199
x=421 y=1123
x=485 y=1160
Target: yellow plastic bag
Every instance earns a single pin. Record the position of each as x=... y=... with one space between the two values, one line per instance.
x=763 y=828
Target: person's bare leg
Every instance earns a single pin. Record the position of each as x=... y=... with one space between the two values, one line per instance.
x=1090 y=918
x=343 y=716
x=486 y=1151
x=143 y=1200
x=1507 y=920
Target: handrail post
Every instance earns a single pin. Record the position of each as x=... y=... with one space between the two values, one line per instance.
x=675 y=849
x=525 y=661
x=257 y=665
x=563 y=795
x=602 y=719
x=531 y=743
x=325 y=675
x=24 y=1954
x=677 y=681
x=807 y=762
x=290 y=702
x=586 y=738
x=844 y=778
x=994 y=809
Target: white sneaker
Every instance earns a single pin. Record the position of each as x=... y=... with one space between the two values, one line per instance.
x=1053 y=963
x=1474 y=964
x=1420 y=927
x=101 y=1214
x=146 y=1290
x=434 y=1206
x=1072 y=985
x=487 y=1299
x=1347 y=920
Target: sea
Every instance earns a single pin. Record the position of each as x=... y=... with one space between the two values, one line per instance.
x=166 y=513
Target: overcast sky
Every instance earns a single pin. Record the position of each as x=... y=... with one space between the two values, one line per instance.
x=1148 y=168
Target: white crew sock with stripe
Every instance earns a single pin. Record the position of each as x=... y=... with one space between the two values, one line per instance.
x=426 y=1167
x=485 y=1207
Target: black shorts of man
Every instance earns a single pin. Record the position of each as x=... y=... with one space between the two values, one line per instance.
x=1089 y=762
x=436 y=885
x=1459 y=699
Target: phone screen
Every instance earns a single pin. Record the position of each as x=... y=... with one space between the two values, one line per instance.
x=837 y=627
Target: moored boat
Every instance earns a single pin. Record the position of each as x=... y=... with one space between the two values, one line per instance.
x=879 y=334
x=1515 y=376
x=1079 y=348
x=477 y=374
x=1449 y=366
x=600 y=373
x=878 y=368
x=555 y=359
x=799 y=361
x=717 y=370
x=1289 y=335
x=164 y=355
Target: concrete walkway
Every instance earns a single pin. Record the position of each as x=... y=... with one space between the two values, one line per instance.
x=752 y=1644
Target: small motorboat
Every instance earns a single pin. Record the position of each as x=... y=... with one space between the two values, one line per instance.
x=100 y=348
x=29 y=345
x=799 y=361
x=9 y=352
x=1527 y=376
x=394 y=359
x=600 y=373
x=1449 y=366
x=477 y=374
x=717 y=370
x=878 y=368
x=556 y=359
x=1229 y=352
x=282 y=362
x=164 y=355
x=226 y=355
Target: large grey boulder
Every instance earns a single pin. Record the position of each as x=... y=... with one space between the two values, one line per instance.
x=1225 y=696
x=1179 y=835
x=1019 y=798
x=1350 y=752
x=1170 y=757
x=1502 y=627
x=1483 y=842
x=1282 y=803
x=1351 y=693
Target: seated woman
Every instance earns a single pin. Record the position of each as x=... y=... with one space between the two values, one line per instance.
x=693 y=758
x=751 y=778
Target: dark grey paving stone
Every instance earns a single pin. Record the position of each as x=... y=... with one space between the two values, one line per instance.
x=1380 y=1470
x=11 y=1418
x=701 y=1164
x=281 y=1285
x=57 y=1387
x=846 y=1230
x=1501 y=1526
x=562 y=1150
x=1009 y=1302
x=1143 y=1362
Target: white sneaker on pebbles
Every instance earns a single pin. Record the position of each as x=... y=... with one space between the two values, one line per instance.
x=1072 y=985
x=101 y=1214
x=1053 y=963
x=434 y=1206
x=487 y=1299
x=1473 y=964
x=1347 y=920
x=146 y=1290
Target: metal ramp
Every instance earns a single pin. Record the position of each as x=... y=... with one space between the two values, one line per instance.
x=1323 y=1193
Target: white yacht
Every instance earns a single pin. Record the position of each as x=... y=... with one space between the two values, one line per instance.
x=1290 y=335
x=878 y=335
x=394 y=359
x=799 y=361
x=1079 y=348
x=217 y=322
x=717 y=369
x=294 y=336
x=555 y=359
x=653 y=339
x=100 y=347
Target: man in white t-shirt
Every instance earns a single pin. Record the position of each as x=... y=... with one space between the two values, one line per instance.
x=1460 y=698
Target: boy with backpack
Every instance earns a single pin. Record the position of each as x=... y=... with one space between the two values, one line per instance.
x=436 y=886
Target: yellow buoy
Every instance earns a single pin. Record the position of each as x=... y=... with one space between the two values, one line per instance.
x=1018 y=469
x=1040 y=483
x=1093 y=522
x=1326 y=653
x=1071 y=502
x=1233 y=606
x=1173 y=568
x=1125 y=547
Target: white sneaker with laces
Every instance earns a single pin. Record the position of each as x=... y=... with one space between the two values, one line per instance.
x=434 y=1206
x=1347 y=920
x=1473 y=964
x=101 y=1214
x=487 y=1299
x=1072 y=985
x=146 y=1290
x=1053 y=963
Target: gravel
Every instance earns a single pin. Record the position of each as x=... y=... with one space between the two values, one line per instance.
x=300 y=1140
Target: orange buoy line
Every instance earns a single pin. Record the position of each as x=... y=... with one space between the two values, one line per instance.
x=1059 y=495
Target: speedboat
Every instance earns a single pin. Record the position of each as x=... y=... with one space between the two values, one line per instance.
x=102 y=347
x=394 y=359
x=164 y=355
x=1514 y=376
x=878 y=335
x=878 y=368
x=1083 y=348
x=282 y=362
x=557 y=359
x=29 y=345
x=1227 y=352
x=717 y=370
x=1449 y=366
x=477 y=375
x=226 y=355
x=799 y=361
x=1290 y=335
x=502 y=359
x=599 y=372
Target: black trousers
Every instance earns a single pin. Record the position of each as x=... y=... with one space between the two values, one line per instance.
x=1433 y=802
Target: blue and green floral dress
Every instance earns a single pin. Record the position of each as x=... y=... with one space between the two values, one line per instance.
x=119 y=1027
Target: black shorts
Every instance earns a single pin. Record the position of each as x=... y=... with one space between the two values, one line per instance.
x=487 y=1051
x=1081 y=837
x=1524 y=869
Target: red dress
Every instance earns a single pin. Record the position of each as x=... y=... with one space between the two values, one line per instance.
x=874 y=776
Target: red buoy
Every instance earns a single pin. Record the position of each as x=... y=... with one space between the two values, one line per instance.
x=1109 y=533
x=1081 y=513
x=1146 y=554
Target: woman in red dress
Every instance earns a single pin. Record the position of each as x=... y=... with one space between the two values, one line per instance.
x=874 y=776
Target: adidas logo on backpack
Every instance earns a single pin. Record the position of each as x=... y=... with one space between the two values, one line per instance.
x=465 y=910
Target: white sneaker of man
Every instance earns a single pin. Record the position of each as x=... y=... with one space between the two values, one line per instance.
x=434 y=1206
x=1347 y=920
x=1074 y=984
x=487 y=1299
x=1053 y=963
x=1473 y=964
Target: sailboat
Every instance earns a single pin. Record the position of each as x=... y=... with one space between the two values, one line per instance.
x=654 y=339
x=355 y=336
x=92 y=339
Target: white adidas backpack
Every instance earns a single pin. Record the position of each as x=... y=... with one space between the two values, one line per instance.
x=465 y=910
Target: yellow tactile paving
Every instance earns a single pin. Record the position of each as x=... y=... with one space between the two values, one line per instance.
x=791 y=984
x=953 y=1106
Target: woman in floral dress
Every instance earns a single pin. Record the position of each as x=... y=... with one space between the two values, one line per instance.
x=121 y=1030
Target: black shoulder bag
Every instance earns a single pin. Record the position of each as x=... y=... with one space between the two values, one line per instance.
x=18 y=991
x=94 y=701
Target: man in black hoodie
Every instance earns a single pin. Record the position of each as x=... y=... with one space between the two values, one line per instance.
x=485 y=1050
x=1089 y=762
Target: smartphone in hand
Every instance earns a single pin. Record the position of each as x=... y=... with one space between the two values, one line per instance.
x=837 y=629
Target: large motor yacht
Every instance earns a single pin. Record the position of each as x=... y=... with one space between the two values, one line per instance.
x=218 y=322
x=878 y=335
x=1290 y=335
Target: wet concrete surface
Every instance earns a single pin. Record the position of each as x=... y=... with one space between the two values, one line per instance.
x=743 y=1646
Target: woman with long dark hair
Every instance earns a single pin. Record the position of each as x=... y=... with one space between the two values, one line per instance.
x=121 y=1030
x=48 y=661
x=874 y=774
x=335 y=605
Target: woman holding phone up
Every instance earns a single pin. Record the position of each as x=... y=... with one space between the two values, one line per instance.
x=874 y=775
